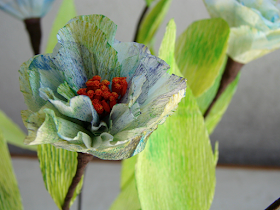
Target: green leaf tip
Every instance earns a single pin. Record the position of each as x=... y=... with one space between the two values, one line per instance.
x=200 y=52
x=66 y=11
x=152 y=21
x=12 y=133
x=58 y=167
x=220 y=106
x=167 y=47
x=9 y=191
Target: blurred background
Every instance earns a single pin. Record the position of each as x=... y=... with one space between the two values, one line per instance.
x=248 y=133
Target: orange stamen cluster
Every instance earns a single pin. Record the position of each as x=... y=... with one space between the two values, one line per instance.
x=102 y=98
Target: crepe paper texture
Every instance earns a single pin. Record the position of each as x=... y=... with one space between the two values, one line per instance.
x=26 y=9
x=152 y=21
x=58 y=172
x=128 y=169
x=255 y=26
x=9 y=192
x=199 y=59
x=128 y=198
x=177 y=168
x=220 y=106
x=167 y=47
x=206 y=98
x=66 y=11
x=12 y=133
x=86 y=48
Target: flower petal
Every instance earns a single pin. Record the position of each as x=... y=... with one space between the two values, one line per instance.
x=129 y=55
x=122 y=115
x=29 y=86
x=84 y=38
x=26 y=9
x=107 y=26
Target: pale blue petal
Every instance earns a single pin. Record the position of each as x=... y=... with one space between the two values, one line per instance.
x=129 y=55
x=122 y=115
x=29 y=86
x=101 y=53
x=107 y=26
x=23 y=9
x=79 y=107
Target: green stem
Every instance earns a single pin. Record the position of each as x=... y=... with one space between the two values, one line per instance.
x=83 y=160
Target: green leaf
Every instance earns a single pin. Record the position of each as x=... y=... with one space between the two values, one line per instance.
x=200 y=52
x=58 y=167
x=152 y=21
x=128 y=198
x=9 y=192
x=66 y=12
x=128 y=170
x=167 y=47
x=177 y=168
x=220 y=106
x=149 y=2
x=12 y=133
x=206 y=98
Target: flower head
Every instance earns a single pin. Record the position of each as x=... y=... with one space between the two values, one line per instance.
x=255 y=26
x=25 y=9
x=95 y=94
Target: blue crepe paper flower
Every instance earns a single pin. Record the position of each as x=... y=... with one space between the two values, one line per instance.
x=87 y=47
x=25 y=9
x=255 y=26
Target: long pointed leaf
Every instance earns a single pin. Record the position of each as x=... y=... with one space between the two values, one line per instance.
x=177 y=168
x=167 y=47
x=128 y=171
x=152 y=21
x=220 y=106
x=9 y=192
x=128 y=198
x=12 y=133
x=58 y=167
x=200 y=52
x=66 y=12
x=206 y=98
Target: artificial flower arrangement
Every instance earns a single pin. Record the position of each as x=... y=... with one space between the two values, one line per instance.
x=94 y=96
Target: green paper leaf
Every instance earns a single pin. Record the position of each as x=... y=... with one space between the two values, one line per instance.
x=152 y=21
x=9 y=192
x=200 y=52
x=128 y=198
x=177 y=168
x=167 y=47
x=206 y=98
x=128 y=169
x=66 y=12
x=12 y=133
x=220 y=106
x=58 y=167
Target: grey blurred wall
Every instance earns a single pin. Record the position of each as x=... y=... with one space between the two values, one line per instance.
x=248 y=132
